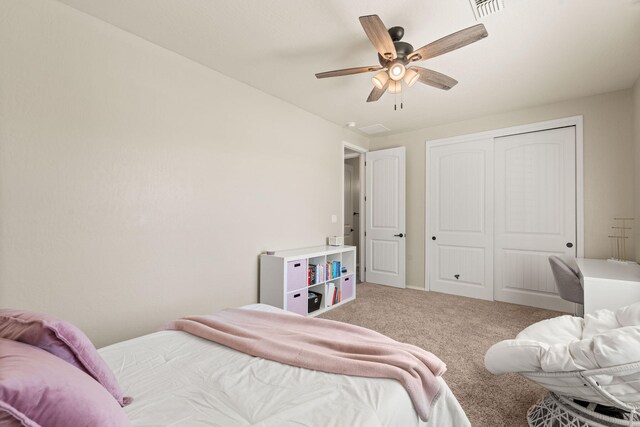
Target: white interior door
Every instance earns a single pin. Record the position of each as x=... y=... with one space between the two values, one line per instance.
x=349 y=227
x=460 y=247
x=535 y=214
x=385 y=217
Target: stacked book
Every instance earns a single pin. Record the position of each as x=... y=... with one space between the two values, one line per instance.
x=334 y=295
x=318 y=273
x=333 y=270
x=311 y=275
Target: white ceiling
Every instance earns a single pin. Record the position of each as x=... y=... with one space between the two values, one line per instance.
x=537 y=52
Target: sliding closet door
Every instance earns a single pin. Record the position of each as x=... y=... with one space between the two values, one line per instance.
x=460 y=247
x=535 y=214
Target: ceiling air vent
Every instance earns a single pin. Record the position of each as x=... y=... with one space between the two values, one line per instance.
x=486 y=7
x=373 y=129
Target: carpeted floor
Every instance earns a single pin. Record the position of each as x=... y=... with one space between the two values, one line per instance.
x=459 y=330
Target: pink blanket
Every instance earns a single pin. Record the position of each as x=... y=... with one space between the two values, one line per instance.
x=322 y=345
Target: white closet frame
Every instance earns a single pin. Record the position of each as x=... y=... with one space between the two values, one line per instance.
x=576 y=121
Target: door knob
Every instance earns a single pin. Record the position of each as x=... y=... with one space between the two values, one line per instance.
x=356 y=213
x=352 y=230
x=399 y=235
x=433 y=237
x=569 y=245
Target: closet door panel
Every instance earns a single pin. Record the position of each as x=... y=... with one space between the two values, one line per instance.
x=535 y=212
x=460 y=248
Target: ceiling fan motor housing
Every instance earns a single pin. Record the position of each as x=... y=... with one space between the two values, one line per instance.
x=396 y=33
x=402 y=50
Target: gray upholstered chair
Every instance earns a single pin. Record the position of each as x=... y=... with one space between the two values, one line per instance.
x=567 y=280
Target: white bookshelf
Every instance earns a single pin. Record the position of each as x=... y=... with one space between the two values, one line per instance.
x=284 y=278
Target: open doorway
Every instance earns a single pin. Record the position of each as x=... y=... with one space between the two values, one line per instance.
x=353 y=212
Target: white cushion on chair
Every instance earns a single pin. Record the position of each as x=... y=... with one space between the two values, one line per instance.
x=566 y=343
x=629 y=315
x=617 y=347
x=559 y=330
x=514 y=356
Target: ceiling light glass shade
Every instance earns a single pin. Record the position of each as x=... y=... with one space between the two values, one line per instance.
x=395 y=87
x=411 y=77
x=396 y=71
x=380 y=79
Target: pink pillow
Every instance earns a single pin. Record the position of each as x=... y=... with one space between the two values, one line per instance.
x=37 y=388
x=61 y=339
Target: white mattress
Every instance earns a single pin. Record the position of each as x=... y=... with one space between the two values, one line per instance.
x=179 y=379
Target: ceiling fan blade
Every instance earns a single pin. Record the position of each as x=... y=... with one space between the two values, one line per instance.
x=377 y=93
x=347 y=71
x=379 y=36
x=434 y=78
x=451 y=42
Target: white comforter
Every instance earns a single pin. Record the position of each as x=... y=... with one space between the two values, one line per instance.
x=179 y=379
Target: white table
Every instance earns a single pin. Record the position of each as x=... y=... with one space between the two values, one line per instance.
x=608 y=284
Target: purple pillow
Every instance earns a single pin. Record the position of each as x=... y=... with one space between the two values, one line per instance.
x=62 y=339
x=37 y=388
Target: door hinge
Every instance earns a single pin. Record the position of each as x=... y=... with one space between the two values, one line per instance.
x=365 y=233
x=365 y=198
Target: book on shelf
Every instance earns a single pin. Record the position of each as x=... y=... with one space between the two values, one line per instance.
x=319 y=273
x=311 y=275
x=331 y=288
x=332 y=270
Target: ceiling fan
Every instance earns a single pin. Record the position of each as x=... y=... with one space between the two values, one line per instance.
x=396 y=57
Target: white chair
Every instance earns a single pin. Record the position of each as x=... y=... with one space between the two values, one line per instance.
x=591 y=366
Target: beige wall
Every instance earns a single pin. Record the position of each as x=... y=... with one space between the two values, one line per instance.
x=137 y=186
x=636 y=121
x=608 y=167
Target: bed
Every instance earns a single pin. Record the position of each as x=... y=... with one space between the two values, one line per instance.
x=180 y=379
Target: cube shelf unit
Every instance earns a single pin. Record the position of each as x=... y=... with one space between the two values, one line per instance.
x=284 y=278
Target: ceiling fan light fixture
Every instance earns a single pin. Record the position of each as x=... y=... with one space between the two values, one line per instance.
x=397 y=71
x=395 y=86
x=380 y=79
x=411 y=77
